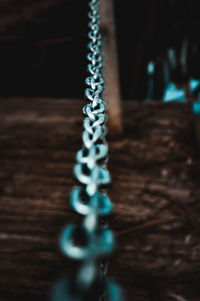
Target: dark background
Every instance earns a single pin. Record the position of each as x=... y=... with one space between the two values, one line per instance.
x=43 y=45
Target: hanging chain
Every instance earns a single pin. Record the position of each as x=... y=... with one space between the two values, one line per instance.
x=92 y=241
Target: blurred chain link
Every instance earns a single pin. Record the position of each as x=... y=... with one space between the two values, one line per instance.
x=91 y=241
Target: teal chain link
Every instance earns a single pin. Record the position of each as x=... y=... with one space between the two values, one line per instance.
x=90 y=199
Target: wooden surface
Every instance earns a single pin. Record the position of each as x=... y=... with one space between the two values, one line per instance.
x=156 y=171
x=14 y=12
x=112 y=94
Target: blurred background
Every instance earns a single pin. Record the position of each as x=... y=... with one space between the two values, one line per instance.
x=43 y=48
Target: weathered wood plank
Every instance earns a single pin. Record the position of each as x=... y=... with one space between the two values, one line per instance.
x=155 y=170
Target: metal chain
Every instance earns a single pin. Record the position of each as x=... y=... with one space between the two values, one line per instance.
x=96 y=241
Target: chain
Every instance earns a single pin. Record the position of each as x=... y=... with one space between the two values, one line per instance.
x=91 y=241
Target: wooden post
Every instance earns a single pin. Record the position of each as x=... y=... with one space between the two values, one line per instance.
x=112 y=94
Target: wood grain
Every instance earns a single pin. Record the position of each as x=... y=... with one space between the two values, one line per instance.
x=156 y=171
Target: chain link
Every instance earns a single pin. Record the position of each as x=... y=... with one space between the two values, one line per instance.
x=90 y=198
